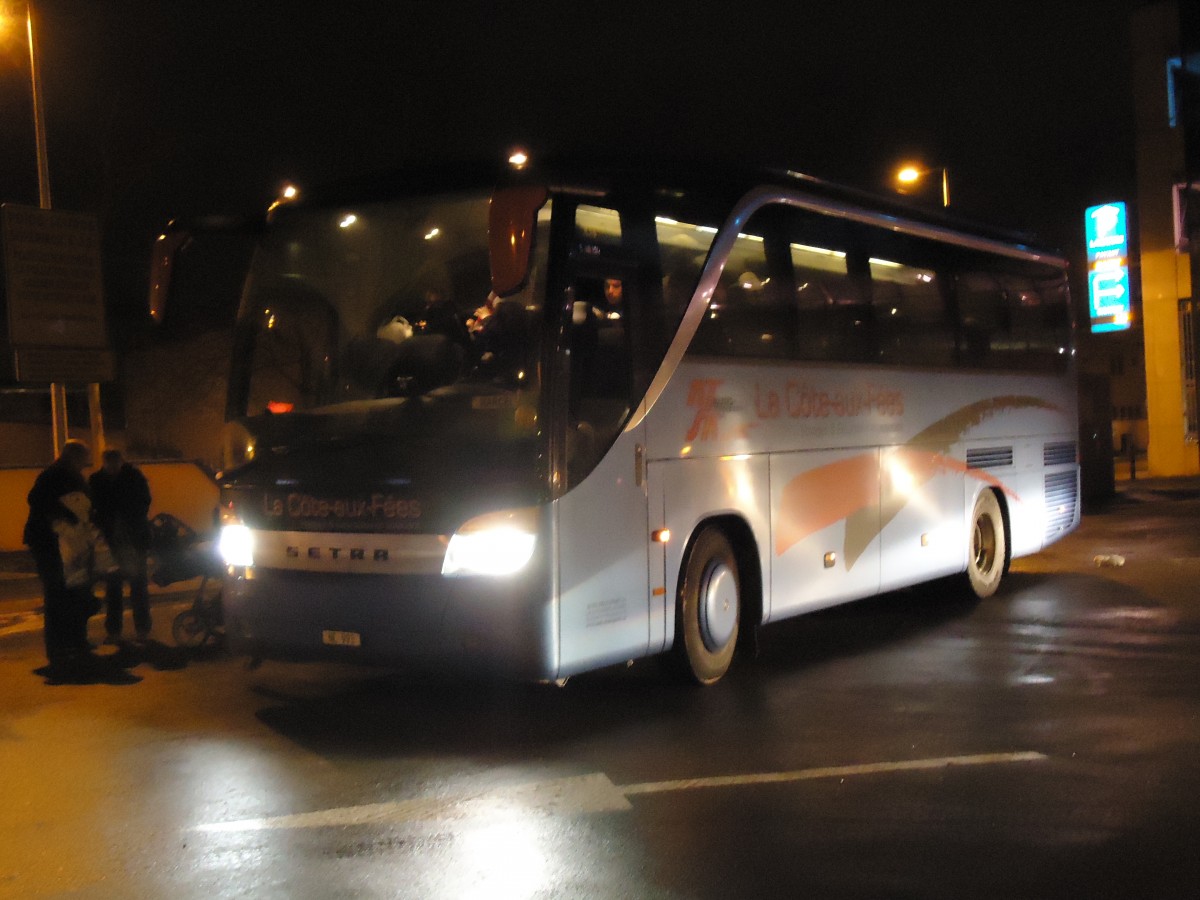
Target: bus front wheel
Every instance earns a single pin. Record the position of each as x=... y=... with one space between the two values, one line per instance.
x=987 y=549
x=709 y=608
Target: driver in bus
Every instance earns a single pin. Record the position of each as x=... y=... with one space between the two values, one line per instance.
x=614 y=299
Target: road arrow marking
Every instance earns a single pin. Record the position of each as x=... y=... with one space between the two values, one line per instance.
x=579 y=795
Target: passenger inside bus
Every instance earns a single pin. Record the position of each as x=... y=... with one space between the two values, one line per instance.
x=601 y=367
x=409 y=354
x=500 y=342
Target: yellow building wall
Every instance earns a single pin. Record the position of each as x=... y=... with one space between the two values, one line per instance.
x=1165 y=279
x=1165 y=273
x=182 y=489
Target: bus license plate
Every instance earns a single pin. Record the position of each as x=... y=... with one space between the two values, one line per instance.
x=342 y=638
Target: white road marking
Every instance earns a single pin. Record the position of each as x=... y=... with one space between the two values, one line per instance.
x=579 y=795
x=940 y=762
x=561 y=796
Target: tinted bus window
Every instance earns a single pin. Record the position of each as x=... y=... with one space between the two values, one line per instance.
x=682 y=248
x=912 y=322
x=1041 y=321
x=748 y=315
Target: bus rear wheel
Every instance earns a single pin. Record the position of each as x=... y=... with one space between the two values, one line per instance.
x=709 y=608
x=986 y=552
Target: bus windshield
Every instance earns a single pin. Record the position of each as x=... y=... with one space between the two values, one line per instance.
x=374 y=324
x=382 y=303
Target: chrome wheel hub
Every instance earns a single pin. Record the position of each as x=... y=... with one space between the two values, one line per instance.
x=718 y=606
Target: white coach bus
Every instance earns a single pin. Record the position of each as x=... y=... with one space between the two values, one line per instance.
x=551 y=419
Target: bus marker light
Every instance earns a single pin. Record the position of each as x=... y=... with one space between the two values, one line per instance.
x=830 y=559
x=659 y=592
x=660 y=535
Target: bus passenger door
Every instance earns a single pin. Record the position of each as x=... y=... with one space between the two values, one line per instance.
x=603 y=530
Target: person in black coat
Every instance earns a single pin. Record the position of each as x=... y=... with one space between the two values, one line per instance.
x=66 y=609
x=120 y=503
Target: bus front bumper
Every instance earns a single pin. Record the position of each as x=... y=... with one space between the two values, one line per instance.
x=503 y=627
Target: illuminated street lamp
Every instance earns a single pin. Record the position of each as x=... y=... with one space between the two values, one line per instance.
x=9 y=21
x=287 y=193
x=909 y=176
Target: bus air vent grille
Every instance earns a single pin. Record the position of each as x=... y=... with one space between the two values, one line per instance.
x=1062 y=500
x=990 y=458
x=1064 y=454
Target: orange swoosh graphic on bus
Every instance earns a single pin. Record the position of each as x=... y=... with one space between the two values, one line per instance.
x=944 y=433
x=850 y=489
x=822 y=496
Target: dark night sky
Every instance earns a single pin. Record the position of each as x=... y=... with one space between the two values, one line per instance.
x=161 y=109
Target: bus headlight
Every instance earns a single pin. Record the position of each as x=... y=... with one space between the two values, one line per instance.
x=236 y=546
x=499 y=543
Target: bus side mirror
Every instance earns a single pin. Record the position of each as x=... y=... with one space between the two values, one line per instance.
x=512 y=218
x=162 y=264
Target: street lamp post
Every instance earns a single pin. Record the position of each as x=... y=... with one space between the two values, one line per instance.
x=39 y=114
x=909 y=176
x=58 y=391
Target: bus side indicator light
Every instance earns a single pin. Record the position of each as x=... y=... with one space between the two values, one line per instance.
x=660 y=535
x=830 y=559
x=659 y=592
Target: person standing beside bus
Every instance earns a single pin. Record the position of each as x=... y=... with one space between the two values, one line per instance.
x=66 y=609
x=121 y=500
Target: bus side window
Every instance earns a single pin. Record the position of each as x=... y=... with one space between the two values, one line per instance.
x=600 y=353
x=911 y=317
x=601 y=367
x=682 y=248
x=821 y=281
x=831 y=287
x=1040 y=322
x=748 y=316
x=984 y=323
x=599 y=298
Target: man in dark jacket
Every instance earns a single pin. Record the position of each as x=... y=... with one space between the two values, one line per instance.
x=66 y=609
x=121 y=501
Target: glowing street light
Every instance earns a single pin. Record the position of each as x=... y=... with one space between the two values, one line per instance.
x=9 y=21
x=909 y=176
x=287 y=193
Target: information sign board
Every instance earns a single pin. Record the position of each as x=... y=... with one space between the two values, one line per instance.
x=54 y=298
x=1106 y=229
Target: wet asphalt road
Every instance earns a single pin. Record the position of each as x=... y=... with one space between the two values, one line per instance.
x=1045 y=743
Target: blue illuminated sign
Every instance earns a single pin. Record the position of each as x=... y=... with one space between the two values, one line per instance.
x=1108 y=267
